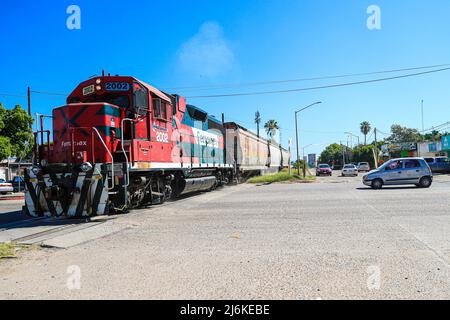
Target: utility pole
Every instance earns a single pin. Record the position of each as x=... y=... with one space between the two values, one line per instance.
x=423 y=122
x=298 y=151
x=296 y=132
x=376 y=149
x=29 y=104
x=290 y=150
x=257 y=121
x=343 y=153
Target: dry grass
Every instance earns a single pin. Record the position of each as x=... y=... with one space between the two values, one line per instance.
x=281 y=177
x=9 y=250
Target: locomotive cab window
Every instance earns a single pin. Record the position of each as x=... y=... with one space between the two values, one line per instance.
x=160 y=109
x=140 y=99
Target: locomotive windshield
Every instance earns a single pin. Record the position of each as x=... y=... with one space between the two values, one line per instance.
x=120 y=100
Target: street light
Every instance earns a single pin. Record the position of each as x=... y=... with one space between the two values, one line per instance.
x=296 y=132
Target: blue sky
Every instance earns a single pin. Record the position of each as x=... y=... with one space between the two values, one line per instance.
x=176 y=44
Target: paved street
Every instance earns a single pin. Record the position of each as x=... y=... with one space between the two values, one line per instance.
x=11 y=211
x=334 y=239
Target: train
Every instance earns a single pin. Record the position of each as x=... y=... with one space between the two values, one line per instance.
x=119 y=144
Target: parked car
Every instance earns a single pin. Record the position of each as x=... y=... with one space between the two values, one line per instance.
x=324 y=169
x=5 y=187
x=439 y=164
x=350 y=170
x=18 y=184
x=401 y=171
x=363 y=166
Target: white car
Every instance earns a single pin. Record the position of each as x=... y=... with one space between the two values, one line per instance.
x=350 y=170
x=363 y=166
x=5 y=187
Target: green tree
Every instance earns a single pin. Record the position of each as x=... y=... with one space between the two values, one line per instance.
x=401 y=134
x=364 y=154
x=271 y=127
x=15 y=131
x=5 y=147
x=332 y=154
x=365 y=129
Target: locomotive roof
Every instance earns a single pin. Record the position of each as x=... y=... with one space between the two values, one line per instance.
x=150 y=88
x=155 y=91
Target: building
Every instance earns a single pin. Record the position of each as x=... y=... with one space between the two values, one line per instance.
x=312 y=160
x=12 y=167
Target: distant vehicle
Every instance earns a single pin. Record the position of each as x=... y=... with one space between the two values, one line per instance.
x=401 y=171
x=18 y=184
x=5 y=187
x=363 y=166
x=350 y=170
x=439 y=164
x=324 y=169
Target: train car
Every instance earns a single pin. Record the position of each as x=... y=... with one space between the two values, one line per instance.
x=253 y=155
x=119 y=144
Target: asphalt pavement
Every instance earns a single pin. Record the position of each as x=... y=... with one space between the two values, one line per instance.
x=333 y=239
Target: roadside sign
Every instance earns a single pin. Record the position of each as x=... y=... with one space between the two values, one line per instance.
x=446 y=143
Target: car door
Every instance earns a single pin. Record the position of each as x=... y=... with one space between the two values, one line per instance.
x=432 y=163
x=442 y=164
x=412 y=171
x=394 y=173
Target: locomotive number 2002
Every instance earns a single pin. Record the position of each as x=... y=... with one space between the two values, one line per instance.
x=162 y=137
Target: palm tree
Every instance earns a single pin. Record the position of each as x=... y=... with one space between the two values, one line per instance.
x=365 y=129
x=271 y=127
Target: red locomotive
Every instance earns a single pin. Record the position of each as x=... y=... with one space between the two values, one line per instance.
x=120 y=143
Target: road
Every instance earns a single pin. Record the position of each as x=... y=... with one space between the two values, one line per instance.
x=11 y=211
x=334 y=239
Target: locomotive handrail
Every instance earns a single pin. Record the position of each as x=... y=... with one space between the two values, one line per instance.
x=112 y=160
x=36 y=143
x=92 y=129
x=123 y=150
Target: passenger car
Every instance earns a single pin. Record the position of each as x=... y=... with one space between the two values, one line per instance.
x=400 y=171
x=439 y=164
x=349 y=170
x=5 y=187
x=324 y=169
x=363 y=166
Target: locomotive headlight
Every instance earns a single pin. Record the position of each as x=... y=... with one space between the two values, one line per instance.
x=98 y=88
x=36 y=170
x=98 y=81
x=87 y=166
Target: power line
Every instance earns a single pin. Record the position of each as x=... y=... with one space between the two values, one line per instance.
x=50 y=93
x=12 y=95
x=248 y=84
x=318 y=87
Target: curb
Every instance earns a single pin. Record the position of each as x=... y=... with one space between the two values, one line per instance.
x=12 y=198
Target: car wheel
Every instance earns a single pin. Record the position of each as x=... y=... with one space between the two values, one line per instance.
x=377 y=184
x=425 y=182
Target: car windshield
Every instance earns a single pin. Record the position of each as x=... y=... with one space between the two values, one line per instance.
x=324 y=166
x=349 y=166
